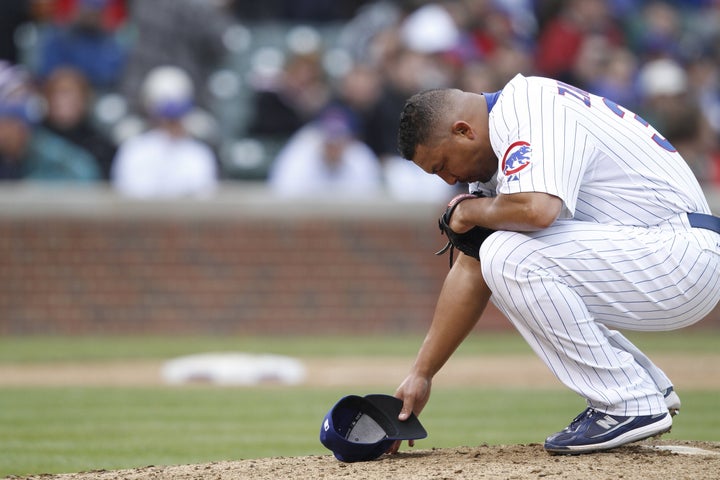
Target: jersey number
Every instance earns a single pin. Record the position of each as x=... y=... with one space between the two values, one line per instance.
x=583 y=96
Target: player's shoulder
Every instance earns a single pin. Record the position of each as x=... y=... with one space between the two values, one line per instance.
x=521 y=90
x=529 y=93
x=521 y=84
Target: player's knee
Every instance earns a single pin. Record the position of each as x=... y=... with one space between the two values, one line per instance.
x=494 y=254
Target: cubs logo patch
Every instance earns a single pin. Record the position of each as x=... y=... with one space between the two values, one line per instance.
x=516 y=158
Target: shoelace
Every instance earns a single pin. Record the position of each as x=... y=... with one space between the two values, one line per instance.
x=448 y=246
x=587 y=413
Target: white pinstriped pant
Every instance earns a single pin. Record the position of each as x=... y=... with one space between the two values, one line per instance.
x=562 y=288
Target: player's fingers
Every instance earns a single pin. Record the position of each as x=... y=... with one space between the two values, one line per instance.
x=407 y=408
x=394 y=447
x=405 y=412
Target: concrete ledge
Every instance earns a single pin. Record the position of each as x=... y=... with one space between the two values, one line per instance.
x=233 y=200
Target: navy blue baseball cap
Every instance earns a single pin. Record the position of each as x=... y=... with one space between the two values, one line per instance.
x=359 y=429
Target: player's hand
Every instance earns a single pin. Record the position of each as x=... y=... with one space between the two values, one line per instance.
x=458 y=222
x=414 y=391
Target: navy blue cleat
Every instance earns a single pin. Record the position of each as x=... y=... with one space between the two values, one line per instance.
x=593 y=430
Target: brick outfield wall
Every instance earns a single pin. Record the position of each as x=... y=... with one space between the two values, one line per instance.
x=219 y=276
x=90 y=263
x=224 y=268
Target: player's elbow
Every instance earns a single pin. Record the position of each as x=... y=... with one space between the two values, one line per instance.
x=542 y=211
x=544 y=219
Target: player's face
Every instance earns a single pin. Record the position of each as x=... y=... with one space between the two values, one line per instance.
x=461 y=157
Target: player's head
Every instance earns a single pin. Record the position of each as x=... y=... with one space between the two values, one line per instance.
x=445 y=133
x=421 y=119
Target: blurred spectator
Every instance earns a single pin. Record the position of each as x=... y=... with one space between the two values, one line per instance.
x=359 y=92
x=668 y=105
x=431 y=29
x=114 y=12
x=68 y=97
x=86 y=44
x=616 y=77
x=507 y=61
x=478 y=76
x=14 y=14
x=325 y=158
x=28 y=151
x=656 y=31
x=165 y=161
x=494 y=27
x=704 y=83
x=500 y=34
x=297 y=10
x=285 y=102
x=563 y=40
x=357 y=34
x=185 y=33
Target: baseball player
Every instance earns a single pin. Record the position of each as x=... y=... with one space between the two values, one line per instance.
x=590 y=221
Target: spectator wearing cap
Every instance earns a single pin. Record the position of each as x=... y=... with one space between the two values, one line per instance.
x=28 y=151
x=325 y=158
x=165 y=161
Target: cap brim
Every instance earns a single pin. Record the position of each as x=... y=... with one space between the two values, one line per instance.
x=410 y=429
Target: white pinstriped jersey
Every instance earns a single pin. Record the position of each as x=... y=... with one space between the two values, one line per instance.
x=606 y=163
x=565 y=286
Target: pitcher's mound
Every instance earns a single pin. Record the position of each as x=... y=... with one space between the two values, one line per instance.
x=640 y=461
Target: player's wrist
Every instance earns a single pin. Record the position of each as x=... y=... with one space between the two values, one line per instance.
x=422 y=371
x=459 y=221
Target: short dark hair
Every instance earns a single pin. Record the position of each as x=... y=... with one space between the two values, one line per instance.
x=419 y=119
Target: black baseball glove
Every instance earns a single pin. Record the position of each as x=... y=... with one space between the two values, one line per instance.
x=468 y=242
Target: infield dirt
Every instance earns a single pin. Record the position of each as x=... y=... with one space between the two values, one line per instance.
x=643 y=461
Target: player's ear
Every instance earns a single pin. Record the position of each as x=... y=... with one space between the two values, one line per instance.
x=463 y=128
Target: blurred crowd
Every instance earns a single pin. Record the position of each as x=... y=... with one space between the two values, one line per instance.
x=168 y=98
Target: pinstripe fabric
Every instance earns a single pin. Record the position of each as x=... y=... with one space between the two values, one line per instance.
x=622 y=255
x=606 y=168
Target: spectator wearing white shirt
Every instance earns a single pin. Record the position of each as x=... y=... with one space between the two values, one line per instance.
x=166 y=161
x=325 y=158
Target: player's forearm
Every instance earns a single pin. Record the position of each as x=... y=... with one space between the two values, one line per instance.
x=519 y=212
x=462 y=300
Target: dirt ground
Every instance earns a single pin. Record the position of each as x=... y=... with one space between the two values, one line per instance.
x=642 y=461
x=652 y=459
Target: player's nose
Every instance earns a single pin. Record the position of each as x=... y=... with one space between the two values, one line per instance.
x=447 y=178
